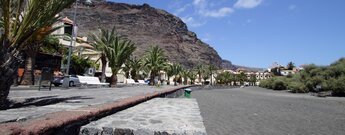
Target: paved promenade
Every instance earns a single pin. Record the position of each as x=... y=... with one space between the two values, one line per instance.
x=159 y=116
x=33 y=103
x=257 y=111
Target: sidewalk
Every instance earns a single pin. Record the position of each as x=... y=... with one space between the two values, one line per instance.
x=36 y=103
x=72 y=104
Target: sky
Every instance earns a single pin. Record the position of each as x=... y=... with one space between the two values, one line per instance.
x=257 y=33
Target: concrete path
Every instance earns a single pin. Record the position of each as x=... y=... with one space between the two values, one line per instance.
x=257 y=111
x=32 y=103
x=170 y=116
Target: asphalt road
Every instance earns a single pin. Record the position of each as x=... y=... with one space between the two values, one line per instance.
x=257 y=111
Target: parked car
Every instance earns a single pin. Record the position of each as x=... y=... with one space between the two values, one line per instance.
x=74 y=81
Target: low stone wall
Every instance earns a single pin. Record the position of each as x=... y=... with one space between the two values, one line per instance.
x=69 y=122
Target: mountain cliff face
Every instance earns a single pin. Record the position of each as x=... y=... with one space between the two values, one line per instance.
x=146 y=26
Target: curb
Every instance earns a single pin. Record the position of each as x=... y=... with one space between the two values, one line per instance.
x=67 y=122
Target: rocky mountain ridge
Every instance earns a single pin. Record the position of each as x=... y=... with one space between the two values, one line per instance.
x=147 y=26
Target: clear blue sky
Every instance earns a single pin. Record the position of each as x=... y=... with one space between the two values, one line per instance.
x=257 y=33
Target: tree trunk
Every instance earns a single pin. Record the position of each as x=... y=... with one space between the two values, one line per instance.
x=152 y=79
x=113 y=78
x=10 y=60
x=168 y=81
x=175 y=81
x=104 y=66
x=29 y=74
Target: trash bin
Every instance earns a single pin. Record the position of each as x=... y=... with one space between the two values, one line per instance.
x=187 y=93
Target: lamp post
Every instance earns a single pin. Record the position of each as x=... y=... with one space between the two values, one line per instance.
x=66 y=79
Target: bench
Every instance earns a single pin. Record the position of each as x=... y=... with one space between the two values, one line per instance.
x=89 y=80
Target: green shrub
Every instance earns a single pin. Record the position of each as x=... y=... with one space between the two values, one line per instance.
x=297 y=87
x=337 y=86
x=330 y=78
x=266 y=83
x=312 y=82
x=279 y=84
x=275 y=83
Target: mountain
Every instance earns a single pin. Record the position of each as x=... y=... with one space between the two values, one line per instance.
x=146 y=26
x=254 y=69
x=228 y=65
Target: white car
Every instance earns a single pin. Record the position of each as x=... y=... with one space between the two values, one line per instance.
x=73 y=81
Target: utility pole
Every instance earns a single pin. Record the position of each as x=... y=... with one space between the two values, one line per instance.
x=73 y=40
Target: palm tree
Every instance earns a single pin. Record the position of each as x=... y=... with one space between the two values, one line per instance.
x=24 y=23
x=135 y=66
x=155 y=61
x=199 y=69
x=205 y=74
x=184 y=74
x=290 y=65
x=177 y=68
x=192 y=76
x=169 y=72
x=253 y=79
x=242 y=77
x=211 y=69
x=118 y=53
x=126 y=69
x=102 y=43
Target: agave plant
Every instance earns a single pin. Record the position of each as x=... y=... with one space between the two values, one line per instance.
x=25 y=23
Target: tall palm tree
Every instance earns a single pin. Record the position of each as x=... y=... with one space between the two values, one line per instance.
x=242 y=77
x=205 y=74
x=155 y=61
x=126 y=69
x=25 y=23
x=211 y=69
x=192 y=76
x=135 y=66
x=177 y=68
x=118 y=53
x=169 y=72
x=102 y=43
x=184 y=74
x=290 y=65
x=199 y=69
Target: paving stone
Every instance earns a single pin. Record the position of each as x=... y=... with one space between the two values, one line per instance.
x=38 y=103
x=159 y=116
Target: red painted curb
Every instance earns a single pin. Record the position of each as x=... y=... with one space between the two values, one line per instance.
x=48 y=122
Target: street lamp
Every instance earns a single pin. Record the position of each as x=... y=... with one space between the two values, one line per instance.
x=66 y=79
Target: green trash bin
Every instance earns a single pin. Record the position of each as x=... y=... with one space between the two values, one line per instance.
x=187 y=93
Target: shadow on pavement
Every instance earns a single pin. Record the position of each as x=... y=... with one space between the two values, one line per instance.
x=46 y=100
